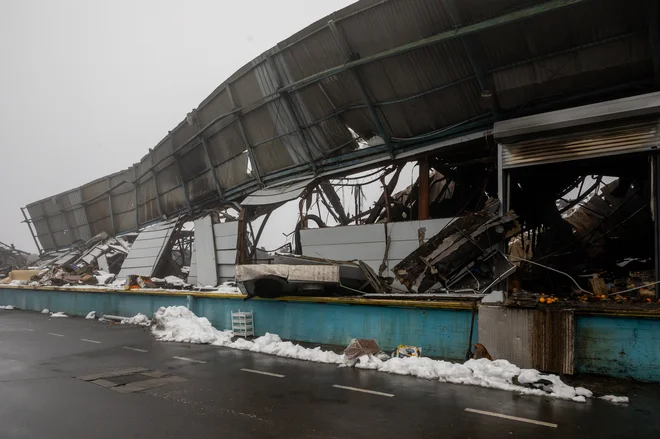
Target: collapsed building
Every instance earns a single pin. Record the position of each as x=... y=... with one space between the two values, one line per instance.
x=530 y=163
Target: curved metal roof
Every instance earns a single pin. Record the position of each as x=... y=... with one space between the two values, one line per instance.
x=409 y=71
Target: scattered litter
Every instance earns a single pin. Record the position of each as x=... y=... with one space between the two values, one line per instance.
x=403 y=351
x=360 y=347
x=7 y=307
x=45 y=311
x=91 y=315
x=57 y=314
x=616 y=399
x=139 y=319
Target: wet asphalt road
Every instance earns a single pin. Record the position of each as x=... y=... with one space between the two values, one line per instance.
x=40 y=396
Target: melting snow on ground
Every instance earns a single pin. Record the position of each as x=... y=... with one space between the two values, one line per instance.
x=57 y=314
x=45 y=311
x=6 y=307
x=178 y=323
x=139 y=319
x=91 y=315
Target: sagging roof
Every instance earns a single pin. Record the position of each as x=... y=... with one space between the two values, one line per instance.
x=409 y=71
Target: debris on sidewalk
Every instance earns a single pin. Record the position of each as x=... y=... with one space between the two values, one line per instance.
x=404 y=351
x=361 y=346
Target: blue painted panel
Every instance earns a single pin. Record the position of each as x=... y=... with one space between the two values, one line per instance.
x=624 y=347
x=81 y=302
x=439 y=332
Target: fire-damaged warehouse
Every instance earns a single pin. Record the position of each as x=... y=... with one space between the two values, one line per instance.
x=430 y=150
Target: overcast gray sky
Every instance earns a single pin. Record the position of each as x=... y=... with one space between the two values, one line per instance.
x=87 y=86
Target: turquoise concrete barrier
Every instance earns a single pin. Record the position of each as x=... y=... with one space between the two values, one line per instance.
x=624 y=347
x=619 y=346
x=439 y=332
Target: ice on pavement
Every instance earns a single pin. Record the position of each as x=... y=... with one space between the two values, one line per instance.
x=45 y=311
x=6 y=307
x=615 y=399
x=138 y=319
x=178 y=323
x=91 y=315
x=57 y=314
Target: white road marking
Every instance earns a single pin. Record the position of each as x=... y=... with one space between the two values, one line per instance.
x=90 y=341
x=513 y=418
x=190 y=359
x=56 y=335
x=277 y=375
x=355 y=389
x=135 y=349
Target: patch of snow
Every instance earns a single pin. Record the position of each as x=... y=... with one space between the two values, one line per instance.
x=139 y=319
x=176 y=281
x=615 y=399
x=227 y=288
x=6 y=307
x=57 y=314
x=45 y=311
x=178 y=323
x=91 y=315
x=18 y=283
x=272 y=344
x=104 y=278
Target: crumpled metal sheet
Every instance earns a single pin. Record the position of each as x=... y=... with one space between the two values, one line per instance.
x=291 y=273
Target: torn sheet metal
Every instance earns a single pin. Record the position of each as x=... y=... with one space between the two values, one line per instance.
x=147 y=250
x=448 y=253
x=277 y=194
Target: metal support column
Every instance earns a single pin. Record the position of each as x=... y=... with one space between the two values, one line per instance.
x=244 y=136
x=501 y=181
x=423 y=197
x=34 y=236
x=348 y=57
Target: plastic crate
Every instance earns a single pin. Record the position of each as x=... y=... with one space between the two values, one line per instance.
x=242 y=323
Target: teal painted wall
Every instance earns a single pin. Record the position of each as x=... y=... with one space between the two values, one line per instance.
x=624 y=347
x=439 y=332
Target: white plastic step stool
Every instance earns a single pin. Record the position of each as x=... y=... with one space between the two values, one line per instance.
x=242 y=323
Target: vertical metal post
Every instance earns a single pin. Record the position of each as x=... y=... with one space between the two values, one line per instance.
x=209 y=163
x=501 y=183
x=349 y=56
x=34 y=237
x=423 y=193
x=244 y=136
x=655 y=182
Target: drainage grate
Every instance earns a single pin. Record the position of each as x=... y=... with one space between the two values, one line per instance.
x=134 y=379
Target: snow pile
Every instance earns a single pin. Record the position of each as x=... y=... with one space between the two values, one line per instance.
x=227 y=288
x=104 y=278
x=178 y=323
x=615 y=399
x=91 y=315
x=45 y=311
x=7 y=307
x=18 y=283
x=57 y=314
x=139 y=319
x=176 y=281
x=272 y=344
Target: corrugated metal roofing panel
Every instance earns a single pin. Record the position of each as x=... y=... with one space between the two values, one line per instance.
x=622 y=139
x=278 y=194
x=154 y=240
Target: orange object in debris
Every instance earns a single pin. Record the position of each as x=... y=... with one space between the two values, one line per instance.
x=542 y=300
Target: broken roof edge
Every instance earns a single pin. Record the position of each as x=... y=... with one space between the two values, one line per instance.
x=617 y=109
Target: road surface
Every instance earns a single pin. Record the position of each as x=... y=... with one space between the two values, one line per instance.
x=58 y=381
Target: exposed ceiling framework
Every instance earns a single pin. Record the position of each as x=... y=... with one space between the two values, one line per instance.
x=409 y=71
